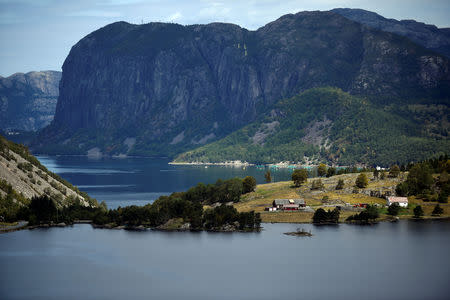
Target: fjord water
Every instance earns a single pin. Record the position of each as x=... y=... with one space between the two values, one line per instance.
x=404 y=260
x=138 y=181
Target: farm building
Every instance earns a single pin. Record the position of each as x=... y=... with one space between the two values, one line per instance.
x=288 y=204
x=402 y=201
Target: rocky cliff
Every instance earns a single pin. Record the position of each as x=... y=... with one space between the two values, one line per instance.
x=429 y=36
x=28 y=101
x=159 y=89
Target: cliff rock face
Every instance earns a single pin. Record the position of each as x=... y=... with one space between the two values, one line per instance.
x=429 y=36
x=158 y=89
x=28 y=101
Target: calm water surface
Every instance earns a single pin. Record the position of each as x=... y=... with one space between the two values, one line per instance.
x=407 y=260
x=121 y=182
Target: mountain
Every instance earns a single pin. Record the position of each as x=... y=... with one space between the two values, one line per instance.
x=160 y=89
x=429 y=36
x=23 y=177
x=327 y=124
x=28 y=101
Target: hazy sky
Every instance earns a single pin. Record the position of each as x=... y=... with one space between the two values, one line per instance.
x=38 y=34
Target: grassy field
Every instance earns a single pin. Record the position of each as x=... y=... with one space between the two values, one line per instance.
x=327 y=197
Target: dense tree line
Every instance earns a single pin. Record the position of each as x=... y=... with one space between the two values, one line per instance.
x=368 y=215
x=428 y=180
x=326 y=217
x=187 y=206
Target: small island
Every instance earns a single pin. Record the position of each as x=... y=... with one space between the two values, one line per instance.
x=300 y=232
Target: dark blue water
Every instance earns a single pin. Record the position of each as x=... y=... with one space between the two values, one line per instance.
x=121 y=182
x=405 y=260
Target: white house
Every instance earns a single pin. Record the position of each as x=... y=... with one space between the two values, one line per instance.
x=402 y=201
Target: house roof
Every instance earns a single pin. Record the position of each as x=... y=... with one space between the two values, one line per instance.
x=289 y=201
x=398 y=199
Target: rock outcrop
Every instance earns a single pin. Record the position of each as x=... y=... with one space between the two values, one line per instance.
x=23 y=177
x=28 y=101
x=170 y=88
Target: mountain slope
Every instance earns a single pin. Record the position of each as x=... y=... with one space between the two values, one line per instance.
x=28 y=101
x=327 y=124
x=160 y=89
x=429 y=36
x=22 y=177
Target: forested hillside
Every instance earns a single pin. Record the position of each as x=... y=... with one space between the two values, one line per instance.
x=327 y=124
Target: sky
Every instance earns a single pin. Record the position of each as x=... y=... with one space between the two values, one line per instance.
x=37 y=35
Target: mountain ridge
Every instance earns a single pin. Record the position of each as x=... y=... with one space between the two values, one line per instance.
x=427 y=35
x=160 y=89
x=28 y=100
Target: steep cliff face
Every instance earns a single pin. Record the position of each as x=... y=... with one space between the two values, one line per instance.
x=158 y=89
x=429 y=36
x=28 y=101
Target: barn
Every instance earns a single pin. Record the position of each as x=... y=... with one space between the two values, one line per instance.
x=288 y=204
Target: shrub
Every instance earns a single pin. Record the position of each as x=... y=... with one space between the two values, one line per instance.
x=394 y=171
x=321 y=170
x=437 y=210
x=317 y=184
x=361 y=181
x=340 y=184
x=418 y=211
x=393 y=209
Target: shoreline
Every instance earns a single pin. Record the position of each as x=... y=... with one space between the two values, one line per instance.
x=238 y=163
x=144 y=228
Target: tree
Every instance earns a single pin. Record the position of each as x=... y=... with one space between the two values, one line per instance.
x=326 y=217
x=317 y=184
x=393 y=209
x=420 y=178
x=418 y=211
x=249 y=184
x=257 y=220
x=43 y=208
x=394 y=171
x=367 y=215
x=340 y=184
x=443 y=197
x=437 y=210
x=372 y=212
x=331 y=171
x=361 y=181
x=299 y=176
x=268 y=176
x=376 y=173
x=320 y=216
x=321 y=170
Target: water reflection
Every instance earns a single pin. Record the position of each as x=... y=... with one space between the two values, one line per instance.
x=387 y=261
